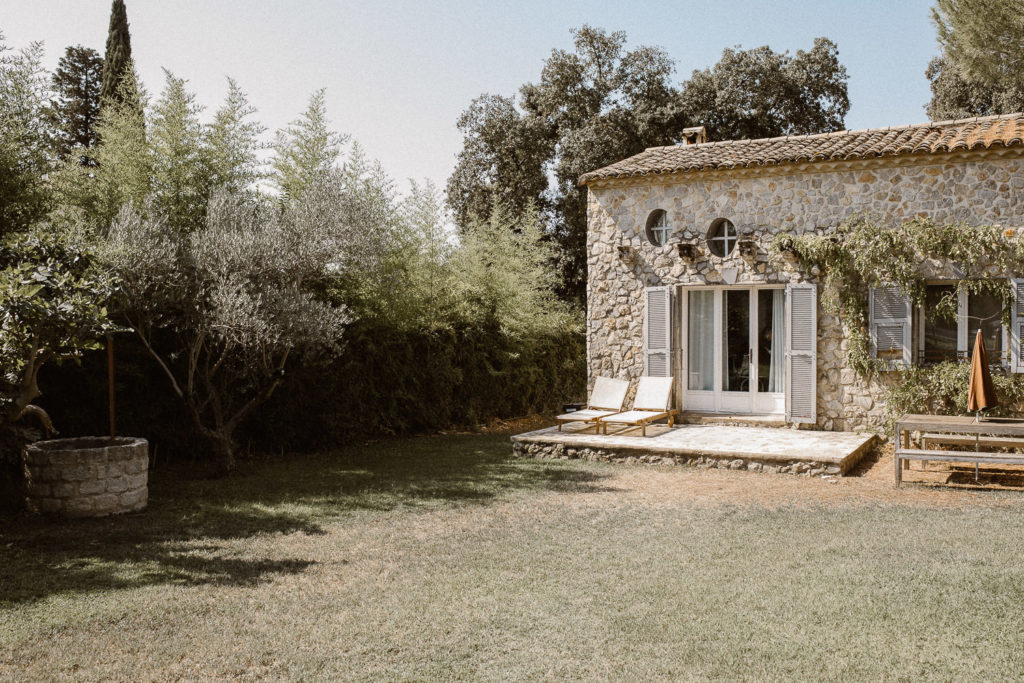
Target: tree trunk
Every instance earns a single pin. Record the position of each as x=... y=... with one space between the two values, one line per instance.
x=41 y=415
x=13 y=487
x=224 y=450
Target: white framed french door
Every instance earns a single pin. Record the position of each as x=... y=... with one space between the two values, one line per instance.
x=734 y=349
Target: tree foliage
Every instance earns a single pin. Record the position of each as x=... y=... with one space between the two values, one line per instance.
x=180 y=185
x=236 y=296
x=305 y=149
x=124 y=164
x=592 y=106
x=505 y=277
x=504 y=158
x=117 y=59
x=232 y=142
x=169 y=154
x=25 y=145
x=954 y=96
x=75 y=108
x=979 y=70
x=52 y=308
x=984 y=39
x=424 y=252
x=229 y=288
x=761 y=93
x=603 y=102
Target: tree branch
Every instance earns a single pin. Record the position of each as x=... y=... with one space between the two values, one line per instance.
x=156 y=356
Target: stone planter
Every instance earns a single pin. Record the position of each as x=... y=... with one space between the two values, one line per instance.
x=87 y=477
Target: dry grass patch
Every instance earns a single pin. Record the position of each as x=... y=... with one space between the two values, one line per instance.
x=442 y=557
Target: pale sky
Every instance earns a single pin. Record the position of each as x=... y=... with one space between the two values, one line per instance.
x=399 y=73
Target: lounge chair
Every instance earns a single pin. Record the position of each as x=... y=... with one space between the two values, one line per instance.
x=606 y=399
x=653 y=395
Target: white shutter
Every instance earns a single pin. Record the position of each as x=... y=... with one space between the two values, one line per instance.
x=801 y=353
x=889 y=320
x=1017 y=325
x=658 y=332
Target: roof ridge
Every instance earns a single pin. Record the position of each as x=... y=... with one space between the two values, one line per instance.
x=932 y=137
x=849 y=131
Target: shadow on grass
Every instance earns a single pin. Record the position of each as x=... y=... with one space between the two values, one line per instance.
x=987 y=475
x=867 y=462
x=175 y=541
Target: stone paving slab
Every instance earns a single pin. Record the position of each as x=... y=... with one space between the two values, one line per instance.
x=840 y=450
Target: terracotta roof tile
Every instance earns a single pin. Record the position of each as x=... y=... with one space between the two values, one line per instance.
x=924 y=138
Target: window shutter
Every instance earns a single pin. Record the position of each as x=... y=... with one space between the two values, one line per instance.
x=658 y=332
x=801 y=353
x=889 y=314
x=1017 y=325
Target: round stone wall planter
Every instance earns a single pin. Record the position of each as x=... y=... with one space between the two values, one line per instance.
x=91 y=476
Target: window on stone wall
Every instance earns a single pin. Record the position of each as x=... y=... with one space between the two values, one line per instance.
x=942 y=329
x=722 y=237
x=943 y=338
x=657 y=227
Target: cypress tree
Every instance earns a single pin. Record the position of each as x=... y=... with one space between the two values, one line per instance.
x=118 y=59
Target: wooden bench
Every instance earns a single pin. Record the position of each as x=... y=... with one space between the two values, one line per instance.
x=962 y=456
x=928 y=440
x=971 y=440
x=959 y=431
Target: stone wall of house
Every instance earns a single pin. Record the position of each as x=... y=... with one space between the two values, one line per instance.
x=975 y=188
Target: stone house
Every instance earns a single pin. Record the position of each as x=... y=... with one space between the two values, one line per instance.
x=681 y=280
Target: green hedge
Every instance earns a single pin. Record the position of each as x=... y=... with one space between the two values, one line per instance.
x=384 y=382
x=393 y=383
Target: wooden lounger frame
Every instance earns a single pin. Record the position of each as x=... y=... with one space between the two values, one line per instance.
x=642 y=422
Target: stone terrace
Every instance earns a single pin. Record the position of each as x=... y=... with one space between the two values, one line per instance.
x=758 y=449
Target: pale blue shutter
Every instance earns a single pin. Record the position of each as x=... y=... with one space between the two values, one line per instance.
x=1017 y=325
x=889 y=316
x=658 y=332
x=801 y=353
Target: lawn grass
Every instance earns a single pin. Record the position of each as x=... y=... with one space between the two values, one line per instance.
x=442 y=557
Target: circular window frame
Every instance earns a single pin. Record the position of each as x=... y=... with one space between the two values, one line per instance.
x=717 y=243
x=665 y=229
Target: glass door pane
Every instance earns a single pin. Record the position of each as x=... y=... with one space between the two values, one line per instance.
x=770 y=340
x=736 y=340
x=701 y=354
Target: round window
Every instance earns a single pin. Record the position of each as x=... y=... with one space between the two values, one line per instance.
x=722 y=237
x=657 y=227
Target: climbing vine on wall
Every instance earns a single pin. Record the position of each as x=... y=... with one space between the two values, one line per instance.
x=865 y=253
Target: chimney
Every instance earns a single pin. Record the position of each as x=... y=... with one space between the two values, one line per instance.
x=695 y=135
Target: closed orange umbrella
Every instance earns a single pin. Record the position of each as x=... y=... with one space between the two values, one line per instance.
x=981 y=395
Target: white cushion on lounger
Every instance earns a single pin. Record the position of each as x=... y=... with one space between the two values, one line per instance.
x=585 y=415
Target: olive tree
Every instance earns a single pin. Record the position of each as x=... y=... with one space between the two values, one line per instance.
x=223 y=309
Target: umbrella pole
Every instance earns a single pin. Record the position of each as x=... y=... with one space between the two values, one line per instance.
x=977 y=441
